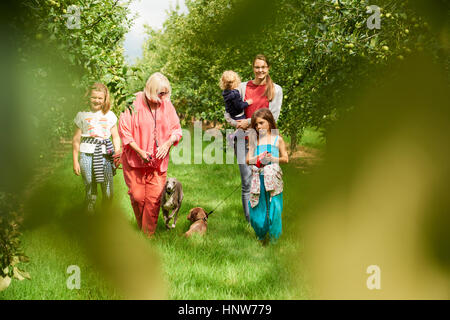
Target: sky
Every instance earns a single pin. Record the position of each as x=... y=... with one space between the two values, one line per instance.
x=151 y=12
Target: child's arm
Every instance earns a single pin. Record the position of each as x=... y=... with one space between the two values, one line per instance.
x=116 y=143
x=115 y=139
x=76 y=140
x=284 y=157
x=242 y=104
x=251 y=159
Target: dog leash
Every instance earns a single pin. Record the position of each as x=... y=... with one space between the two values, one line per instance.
x=223 y=200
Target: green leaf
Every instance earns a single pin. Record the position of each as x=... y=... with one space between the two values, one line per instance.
x=21 y=275
x=4 y=282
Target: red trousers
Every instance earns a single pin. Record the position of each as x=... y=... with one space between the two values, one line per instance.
x=145 y=187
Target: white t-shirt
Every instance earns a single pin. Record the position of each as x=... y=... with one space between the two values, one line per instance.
x=95 y=125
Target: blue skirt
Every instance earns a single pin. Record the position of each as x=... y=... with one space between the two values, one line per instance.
x=266 y=216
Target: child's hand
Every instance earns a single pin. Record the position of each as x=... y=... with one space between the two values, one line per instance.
x=116 y=159
x=260 y=162
x=249 y=101
x=266 y=159
x=76 y=168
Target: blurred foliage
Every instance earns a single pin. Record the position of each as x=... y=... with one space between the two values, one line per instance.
x=48 y=62
x=60 y=59
x=10 y=252
x=380 y=196
x=318 y=50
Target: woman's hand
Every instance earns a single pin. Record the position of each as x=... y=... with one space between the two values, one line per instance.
x=164 y=149
x=242 y=124
x=76 y=168
x=143 y=154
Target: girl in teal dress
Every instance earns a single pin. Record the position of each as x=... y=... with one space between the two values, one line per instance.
x=265 y=148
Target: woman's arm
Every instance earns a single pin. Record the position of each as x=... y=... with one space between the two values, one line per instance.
x=124 y=127
x=175 y=127
x=230 y=120
x=76 y=140
x=174 y=130
x=143 y=154
x=126 y=135
x=275 y=104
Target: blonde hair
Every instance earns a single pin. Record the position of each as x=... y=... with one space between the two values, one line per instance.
x=101 y=88
x=154 y=84
x=230 y=80
x=270 y=87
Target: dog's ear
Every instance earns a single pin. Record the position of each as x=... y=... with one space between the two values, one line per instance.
x=163 y=191
x=195 y=214
x=191 y=215
x=202 y=214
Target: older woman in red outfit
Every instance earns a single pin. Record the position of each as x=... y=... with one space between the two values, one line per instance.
x=148 y=130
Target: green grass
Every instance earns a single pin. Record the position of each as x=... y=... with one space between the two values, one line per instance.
x=227 y=263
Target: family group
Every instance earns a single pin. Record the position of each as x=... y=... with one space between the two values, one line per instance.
x=141 y=139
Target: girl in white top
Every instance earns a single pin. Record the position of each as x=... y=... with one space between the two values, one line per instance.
x=93 y=151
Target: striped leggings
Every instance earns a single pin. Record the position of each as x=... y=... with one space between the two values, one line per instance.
x=87 y=172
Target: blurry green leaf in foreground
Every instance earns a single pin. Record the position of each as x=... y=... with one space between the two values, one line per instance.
x=125 y=257
x=4 y=282
x=381 y=199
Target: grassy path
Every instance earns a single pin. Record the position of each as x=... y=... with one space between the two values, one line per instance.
x=228 y=263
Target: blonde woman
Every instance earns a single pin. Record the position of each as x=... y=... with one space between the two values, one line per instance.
x=148 y=129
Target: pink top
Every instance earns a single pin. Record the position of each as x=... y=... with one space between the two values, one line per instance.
x=140 y=126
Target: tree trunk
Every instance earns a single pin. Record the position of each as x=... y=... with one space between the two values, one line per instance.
x=293 y=144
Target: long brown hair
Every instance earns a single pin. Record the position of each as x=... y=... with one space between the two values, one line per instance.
x=270 y=87
x=267 y=115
